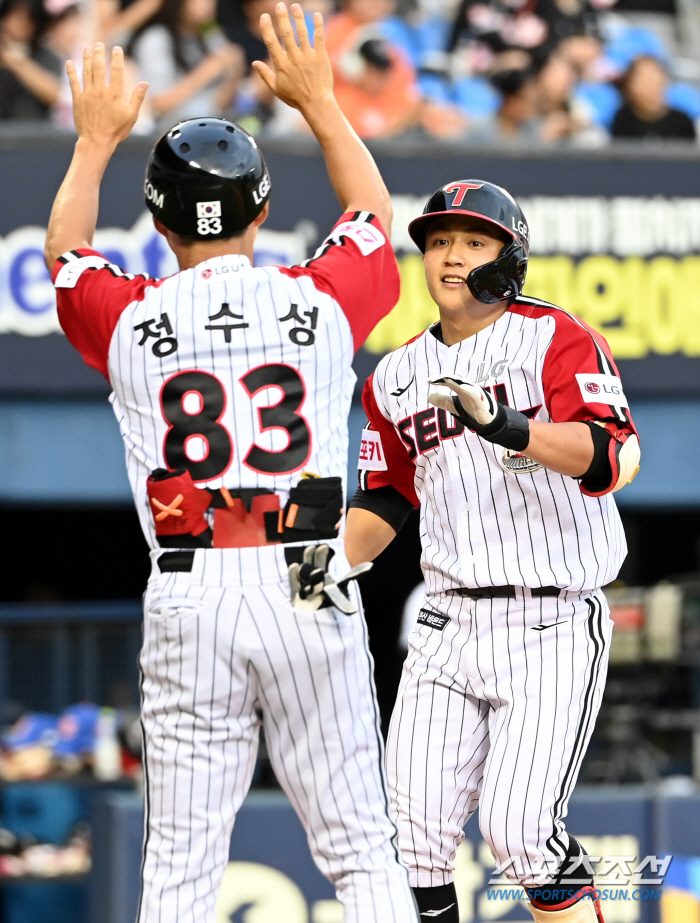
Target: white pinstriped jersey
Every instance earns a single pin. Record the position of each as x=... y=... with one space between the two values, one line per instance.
x=242 y=375
x=482 y=525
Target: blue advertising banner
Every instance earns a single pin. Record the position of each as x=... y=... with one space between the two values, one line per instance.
x=645 y=852
x=615 y=239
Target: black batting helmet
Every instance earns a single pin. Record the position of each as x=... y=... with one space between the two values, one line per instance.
x=503 y=277
x=206 y=178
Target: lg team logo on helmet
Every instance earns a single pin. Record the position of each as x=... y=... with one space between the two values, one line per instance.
x=261 y=192
x=153 y=195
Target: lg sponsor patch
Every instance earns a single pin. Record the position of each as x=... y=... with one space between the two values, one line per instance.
x=432 y=619
x=602 y=389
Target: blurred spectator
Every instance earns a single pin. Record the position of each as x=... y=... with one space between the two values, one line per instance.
x=645 y=112
x=64 y=36
x=190 y=67
x=516 y=121
x=482 y=30
x=241 y=25
x=114 y=24
x=375 y=83
x=379 y=96
x=30 y=73
x=565 y=120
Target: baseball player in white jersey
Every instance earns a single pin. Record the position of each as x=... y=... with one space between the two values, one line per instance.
x=232 y=387
x=507 y=424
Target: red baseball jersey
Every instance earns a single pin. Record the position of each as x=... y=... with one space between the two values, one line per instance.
x=242 y=375
x=481 y=523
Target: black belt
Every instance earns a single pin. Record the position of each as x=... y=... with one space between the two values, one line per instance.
x=502 y=592
x=182 y=561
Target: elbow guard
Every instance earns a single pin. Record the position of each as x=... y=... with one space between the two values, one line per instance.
x=615 y=462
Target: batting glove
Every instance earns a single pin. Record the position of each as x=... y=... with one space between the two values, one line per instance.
x=311 y=585
x=478 y=410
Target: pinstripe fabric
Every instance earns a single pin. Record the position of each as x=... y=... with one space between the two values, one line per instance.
x=262 y=296
x=219 y=660
x=268 y=356
x=481 y=525
x=496 y=713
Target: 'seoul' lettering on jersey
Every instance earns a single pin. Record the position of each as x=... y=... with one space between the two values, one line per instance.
x=480 y=525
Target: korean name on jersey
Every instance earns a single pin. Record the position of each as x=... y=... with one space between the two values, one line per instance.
x=243 y=372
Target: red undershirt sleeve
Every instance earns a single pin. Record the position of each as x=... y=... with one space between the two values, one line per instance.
x=91 y=294
x=384 y=460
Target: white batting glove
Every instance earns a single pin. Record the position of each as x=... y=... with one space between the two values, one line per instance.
x=463 y=400
x=311 y=585
x=477 y=409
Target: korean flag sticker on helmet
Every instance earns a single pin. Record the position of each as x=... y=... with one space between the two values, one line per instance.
x=602 y=389
x=209 y=209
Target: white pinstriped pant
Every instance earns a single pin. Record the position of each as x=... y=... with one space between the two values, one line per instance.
x=220 y=656
x=495 y=711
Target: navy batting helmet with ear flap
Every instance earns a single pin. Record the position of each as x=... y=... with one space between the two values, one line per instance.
x=503 y=277
x=206 y=178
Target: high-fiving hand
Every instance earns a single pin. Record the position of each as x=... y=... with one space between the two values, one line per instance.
x=302 y=73
x=100 y=111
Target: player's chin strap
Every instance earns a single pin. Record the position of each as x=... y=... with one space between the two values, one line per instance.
x=477 y=409
x=312 y=587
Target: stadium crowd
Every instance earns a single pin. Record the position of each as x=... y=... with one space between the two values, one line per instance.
x=572 y=73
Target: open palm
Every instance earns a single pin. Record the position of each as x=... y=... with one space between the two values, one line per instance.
x=302 y=72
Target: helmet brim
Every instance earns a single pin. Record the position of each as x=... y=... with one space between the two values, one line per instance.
x=418 y=228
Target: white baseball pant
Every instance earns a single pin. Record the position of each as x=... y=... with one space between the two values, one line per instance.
x=495 y=710
x=223 y=652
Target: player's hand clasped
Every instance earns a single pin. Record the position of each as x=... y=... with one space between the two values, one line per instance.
x=312 y=586
x=100 y=111
x=479 y=411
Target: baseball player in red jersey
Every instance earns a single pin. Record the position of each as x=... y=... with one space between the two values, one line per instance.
x=232 y=386
x=506 y=423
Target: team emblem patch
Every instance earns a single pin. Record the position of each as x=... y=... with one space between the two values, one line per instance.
x=517 y=463
x=432 y=619
x=209 y=209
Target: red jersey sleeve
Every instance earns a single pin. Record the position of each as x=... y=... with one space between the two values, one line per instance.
x=355 y=265
x=91 y=294
x=384 y=459
x=580 y=379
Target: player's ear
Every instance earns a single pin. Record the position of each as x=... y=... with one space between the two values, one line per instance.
x=262 y=217
x=160 y=227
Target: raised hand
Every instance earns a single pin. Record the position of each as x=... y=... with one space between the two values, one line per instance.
x=302 y=74
x=100 y=111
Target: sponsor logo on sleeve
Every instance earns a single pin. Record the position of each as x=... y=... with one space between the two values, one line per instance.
x=602 y=389
x=366 y=236
x=371 y=452
x=70 y=272
x=432 y=619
